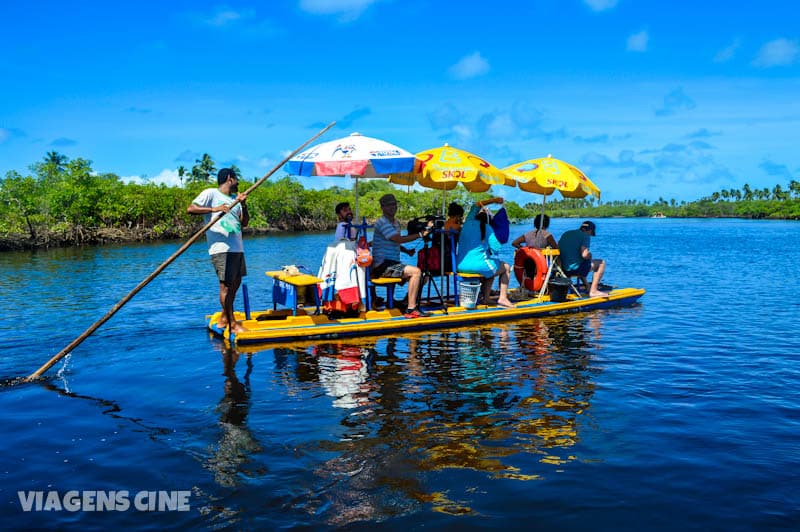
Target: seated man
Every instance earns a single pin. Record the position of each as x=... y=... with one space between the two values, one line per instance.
x=345 y=216
x=576 y=259
x=387 y=243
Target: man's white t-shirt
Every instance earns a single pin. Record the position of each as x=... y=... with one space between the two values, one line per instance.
x=225 y=235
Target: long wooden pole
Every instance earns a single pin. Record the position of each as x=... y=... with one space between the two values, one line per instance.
x=77 y=341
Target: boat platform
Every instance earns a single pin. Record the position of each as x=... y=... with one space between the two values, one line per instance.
x=283 y=325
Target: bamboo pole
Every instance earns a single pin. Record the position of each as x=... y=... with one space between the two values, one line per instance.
x=77 y=341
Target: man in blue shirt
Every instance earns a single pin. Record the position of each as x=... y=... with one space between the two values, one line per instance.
x=576 y=259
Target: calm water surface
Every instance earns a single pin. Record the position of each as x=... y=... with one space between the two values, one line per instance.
x=679 y=413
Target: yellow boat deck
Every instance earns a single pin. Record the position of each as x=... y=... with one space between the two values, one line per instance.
x=281 y=326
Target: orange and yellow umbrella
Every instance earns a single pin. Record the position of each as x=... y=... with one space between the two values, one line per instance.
x=546 y=175
x=445 y=167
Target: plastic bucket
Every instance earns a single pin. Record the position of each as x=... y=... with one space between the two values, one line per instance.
x=468 y=294
x=558 y=288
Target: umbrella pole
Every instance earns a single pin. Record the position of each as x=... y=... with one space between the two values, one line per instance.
x=441 y=245
x=355 y=193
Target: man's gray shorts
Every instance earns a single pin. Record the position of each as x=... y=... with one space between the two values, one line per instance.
x=229 y=266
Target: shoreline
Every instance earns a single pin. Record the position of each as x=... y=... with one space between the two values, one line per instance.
x=115 y=235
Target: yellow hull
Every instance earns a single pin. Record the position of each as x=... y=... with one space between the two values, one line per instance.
x=280 y=326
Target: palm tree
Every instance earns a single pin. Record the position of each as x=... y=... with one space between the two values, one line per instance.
x=794 y=186
x=56 y=159
x=204 y=169
x=181 y=173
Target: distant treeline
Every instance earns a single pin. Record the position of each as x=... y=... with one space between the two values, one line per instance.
x=64 y=202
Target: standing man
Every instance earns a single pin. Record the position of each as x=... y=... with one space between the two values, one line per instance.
x=387 y=243
x=225 y=239
x=576 y=259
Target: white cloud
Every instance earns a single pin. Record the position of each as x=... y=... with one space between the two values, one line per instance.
x=727 y=53
x=675 y=101
x=469 y=66
x=10 y=133
x=600 y=5
x=224 y=16
x=347 y=10
x=444 y=116
x=780 y=52
x=244 y=21
x=499 y=126
x=638 y=42
x=167 y=176
x=268 y=162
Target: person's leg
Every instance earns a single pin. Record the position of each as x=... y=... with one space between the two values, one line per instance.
x=505 y=275
x=413 y=274
x=222 y=322
x=584 y=283
x=220 y=263
x=486 y=286
x=599 y=267
x=234 y=270
x=583 y=271
x=231 y=296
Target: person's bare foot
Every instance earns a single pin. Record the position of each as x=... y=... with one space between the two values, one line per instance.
x=598 y=293
x=505 y=303
x=238 y=328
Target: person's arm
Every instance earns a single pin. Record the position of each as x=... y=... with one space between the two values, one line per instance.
x=245 y=219
x=517 y=243
x=400 y=239
x=201 y=205
x=484 y=203
x=551 y=241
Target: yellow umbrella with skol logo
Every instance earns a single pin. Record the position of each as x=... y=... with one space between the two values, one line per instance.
x=546 y=175
x=443 y=168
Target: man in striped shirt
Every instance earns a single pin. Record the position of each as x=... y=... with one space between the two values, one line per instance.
x=387 y=243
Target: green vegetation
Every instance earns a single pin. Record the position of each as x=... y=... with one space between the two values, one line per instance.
x=64 y=202
x=732 y=203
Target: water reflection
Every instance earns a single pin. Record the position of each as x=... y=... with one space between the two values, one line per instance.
x=342 y=369
x=236 y=442
x=507 y=401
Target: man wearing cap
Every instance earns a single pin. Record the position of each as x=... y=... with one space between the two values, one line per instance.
x=576 y=259
x=387 y=243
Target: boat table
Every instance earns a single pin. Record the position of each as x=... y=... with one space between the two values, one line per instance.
x=550 y=255
x=285 y=286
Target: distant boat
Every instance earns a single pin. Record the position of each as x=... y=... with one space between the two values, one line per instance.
x=659 y=215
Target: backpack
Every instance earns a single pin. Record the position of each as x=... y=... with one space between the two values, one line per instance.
x=363 y=255
x=501 y=225
x=428 y=259
x=335 y=309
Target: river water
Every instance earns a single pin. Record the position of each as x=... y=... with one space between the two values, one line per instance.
x=682 y=412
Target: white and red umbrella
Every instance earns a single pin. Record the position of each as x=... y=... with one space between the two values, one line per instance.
x=356 y=156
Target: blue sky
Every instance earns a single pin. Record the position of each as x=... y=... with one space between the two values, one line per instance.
x=673 y=99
